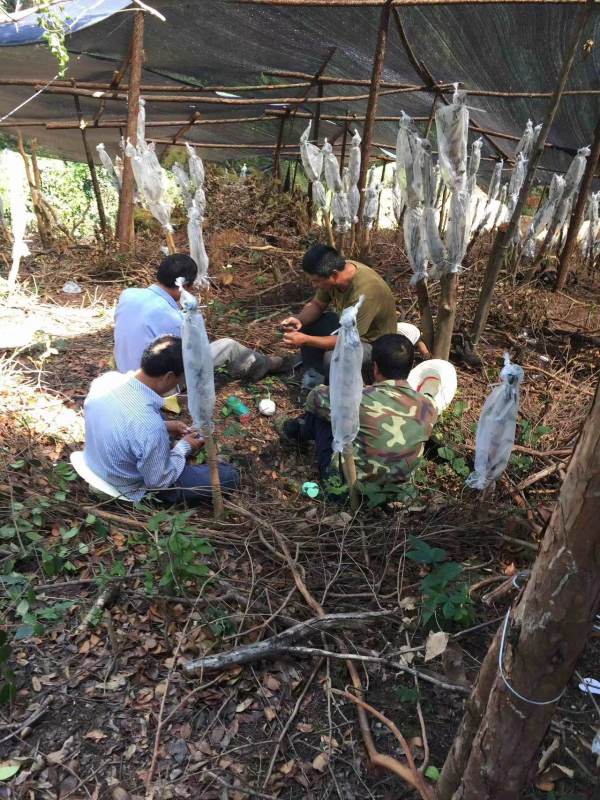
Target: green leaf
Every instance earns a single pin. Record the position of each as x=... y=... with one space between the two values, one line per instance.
x=18 y=464
x=432 y=773
x=423 y=553
x=447 y=453
x=22 y=608
x=90 y=519
x=8 y=770
x=70 y=534
x=23 y=632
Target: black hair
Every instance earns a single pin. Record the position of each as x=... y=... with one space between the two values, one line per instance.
x=176 y=266
x=163 y=355
x=394 y=355
x=322 y=260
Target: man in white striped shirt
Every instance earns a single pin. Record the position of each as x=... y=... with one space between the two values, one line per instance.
x=144 y=314
x=127 y=439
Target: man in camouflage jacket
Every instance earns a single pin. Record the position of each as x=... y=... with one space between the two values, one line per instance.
x=395 y=421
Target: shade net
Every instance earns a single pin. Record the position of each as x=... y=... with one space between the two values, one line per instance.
x=490 y=47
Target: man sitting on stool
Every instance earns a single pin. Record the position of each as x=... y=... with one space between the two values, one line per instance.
x=394 y=420
x=144 y=314
x=127 y=439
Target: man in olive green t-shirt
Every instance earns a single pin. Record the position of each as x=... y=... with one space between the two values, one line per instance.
x=339 y=284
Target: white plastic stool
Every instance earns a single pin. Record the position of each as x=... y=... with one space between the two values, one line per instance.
x=442 y=370
x=94 y=481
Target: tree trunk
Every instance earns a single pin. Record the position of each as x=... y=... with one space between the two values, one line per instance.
x=125 y=228
x=425 y=311
x=446 y=315
x=545 y=634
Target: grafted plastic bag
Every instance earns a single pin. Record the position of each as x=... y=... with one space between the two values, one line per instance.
x=494 y=187
x=151 y=182
x=352 y=195
x=409 y=156
x=474 y=162
x=341 y=211
x=354 y=159
x=430 y=235
x=195 y=167
x=414 y=244
x=544 y=215
x=141 y=123
x=18 y=215
x=311 y=155
x=457 y=232
x=452 y=126
x=331 y=169
x=516 y=182
x=345 y=379
x=501 y=211
x=243 y=171
x=526 y=142
x=398 y=199
x=371 y=205
x=496 y=428
x=197 y=363
x=113 y=176
x=183 y=182
x=196 y=243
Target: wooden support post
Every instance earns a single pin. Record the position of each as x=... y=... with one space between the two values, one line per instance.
x=349 y=470
x=125 y=229
x=213 y=465
x=316 y=141
x=504 y=237
x=578 y=211
x=92 y=168
x=368 y=130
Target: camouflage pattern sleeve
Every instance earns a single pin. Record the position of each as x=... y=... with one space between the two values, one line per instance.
x=318 y=402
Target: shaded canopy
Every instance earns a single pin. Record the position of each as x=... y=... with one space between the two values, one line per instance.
x=209 y=42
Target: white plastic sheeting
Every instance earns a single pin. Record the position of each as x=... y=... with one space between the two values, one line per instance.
x=345 y=379
x=198 y=363
x=544 y=215
x=496 y=428
x=414 y=244
x=351 y=177
x=114 y=176
x=430 y=235
x=452 y=125
x=340 y=210
x=590 y=243
x=371 y=205
x=409 y=160
x=184 y=183
x=312 y=161
x=196 y=243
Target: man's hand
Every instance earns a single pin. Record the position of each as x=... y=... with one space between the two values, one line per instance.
x=176 y=428
x=291 y=322
x=194 y=440
x=295 y=338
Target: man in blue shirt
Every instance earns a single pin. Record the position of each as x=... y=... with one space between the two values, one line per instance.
x=127 y=440
x=144 y=314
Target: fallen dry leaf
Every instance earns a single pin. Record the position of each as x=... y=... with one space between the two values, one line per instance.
x=320 y=762
x=304 y=727
x=95 y=736
x=436 y=644
x=288 y=767
x=244 y=705
x=270 y=713
x=36 y=683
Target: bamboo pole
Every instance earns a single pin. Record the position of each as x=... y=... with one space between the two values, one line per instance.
x=374 y=91
x=125 y=225
x=93 y=174
x=504 y=237
x=577 y=218
x=278 y=146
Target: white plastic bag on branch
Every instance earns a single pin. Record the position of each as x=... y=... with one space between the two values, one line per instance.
x=354 y=158
x=371 y=205
x=527 y=140
x=501 y=213
x=197 y=363
x=544 y=215
x=474 y=162
x=340 y=212
x=409 y=154
x=496 y=428
x=398 y=199
x=345 y=379
x=18 y=216
x=414 y=244
x=151 y=183
x=494 y=187
x=452 y=126
x=593 y=215
x=183 y=182
x=516 y=182
x=108 y=165
x=195 y=167
x=457 y=232
x=196 y=243
x=319 y=195
x=243 y=171
x=312 y=157
x=200 y=201
x=575 y=172
x=331 y=169
x=430 y=234
x=352 y=195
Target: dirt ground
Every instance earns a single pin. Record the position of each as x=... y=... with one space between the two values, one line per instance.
x=103 y=707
